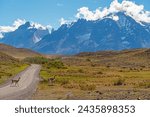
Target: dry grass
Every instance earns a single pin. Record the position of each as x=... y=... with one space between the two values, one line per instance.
x=18 y=53
x=110 y=75
x=8 y=70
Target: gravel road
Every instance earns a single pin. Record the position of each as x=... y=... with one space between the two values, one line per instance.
x=27 y=85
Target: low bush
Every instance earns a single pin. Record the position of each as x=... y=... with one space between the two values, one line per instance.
x=99 y=72
x=88 y=60
x=119 y=82
x=49 y=63
x=36 y=60
x=80 y=71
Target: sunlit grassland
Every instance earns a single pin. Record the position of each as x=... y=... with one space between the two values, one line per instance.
x=80 y=79
x=96 y=75
x=10 y=69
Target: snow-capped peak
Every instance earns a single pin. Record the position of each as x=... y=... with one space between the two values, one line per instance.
x=69 y=23
x=1 y=36
x=39 y=26
x=17 y=23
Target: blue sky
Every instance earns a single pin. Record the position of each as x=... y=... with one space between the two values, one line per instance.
x=49 y=11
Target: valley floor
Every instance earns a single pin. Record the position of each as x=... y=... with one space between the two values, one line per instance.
x=99 y=76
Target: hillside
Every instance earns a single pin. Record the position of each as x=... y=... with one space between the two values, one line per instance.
x=5 y=57
x=126 y=58
x=17 y=52
x=111 y=54
x=9 y=67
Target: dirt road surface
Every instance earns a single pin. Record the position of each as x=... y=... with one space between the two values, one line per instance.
x=27 y=85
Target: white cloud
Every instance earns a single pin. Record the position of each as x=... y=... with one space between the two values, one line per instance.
x=63 y=21
x=85 y=13
x=16 y=24
x=5 y=29
x=38 y=26
x=19 y=22
x=69 y=22
x=130 y=8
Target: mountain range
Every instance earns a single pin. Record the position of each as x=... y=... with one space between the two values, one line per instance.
x=108 y=33
x=25 y=36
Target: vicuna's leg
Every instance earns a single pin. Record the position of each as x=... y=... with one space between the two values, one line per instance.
x=50 y=82
x=11 y=83
x=17 y=84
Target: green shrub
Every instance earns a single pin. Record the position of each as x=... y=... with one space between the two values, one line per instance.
x=119 y=82
x=99 y=72
x=55 y=64
x=36 y=60
x=88 y=60
x=93 y=65
x=49 y=63
x=80 y=71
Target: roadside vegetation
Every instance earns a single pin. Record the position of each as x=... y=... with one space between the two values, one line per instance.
x=101 y=75
x=10 y=61
x=95 y=77
x=8 y=70
x=45 y=62
x=9 y=67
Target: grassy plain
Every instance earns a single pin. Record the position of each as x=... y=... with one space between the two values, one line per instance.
x=91 y=75
x=100 y=75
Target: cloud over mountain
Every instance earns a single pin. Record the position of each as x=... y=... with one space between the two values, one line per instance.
x=25 y=36
x=132 y=9
x=63 y=21
x=19 y=22
x=16 y=24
